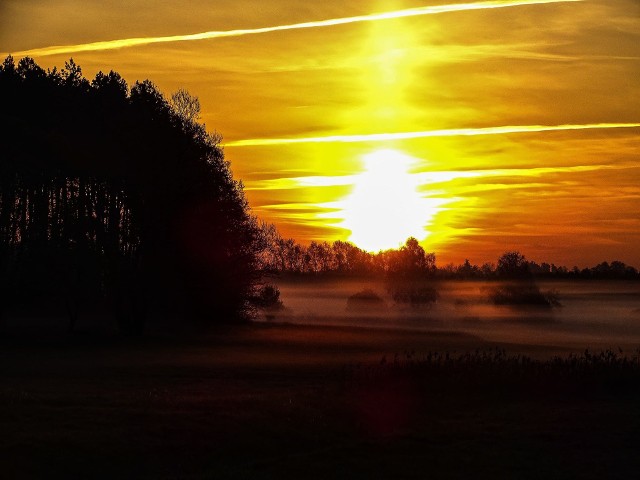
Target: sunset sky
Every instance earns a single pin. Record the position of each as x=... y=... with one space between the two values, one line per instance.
x=476 y=127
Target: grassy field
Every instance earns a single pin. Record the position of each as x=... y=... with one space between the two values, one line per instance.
x=284 y=401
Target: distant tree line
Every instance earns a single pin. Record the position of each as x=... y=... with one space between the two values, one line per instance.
x=513 y=265
x=118 y=196
x=283 y=255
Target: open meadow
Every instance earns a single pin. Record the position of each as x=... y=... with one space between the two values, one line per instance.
x=294 y=400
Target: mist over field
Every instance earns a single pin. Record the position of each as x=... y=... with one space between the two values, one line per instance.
x=595 y=314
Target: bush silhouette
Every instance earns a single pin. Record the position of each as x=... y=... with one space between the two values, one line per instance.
x=366 y=300
x=523 y=294
x=268 y=300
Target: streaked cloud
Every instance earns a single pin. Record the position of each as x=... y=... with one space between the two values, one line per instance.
x=409 y=12
x=422 y=178
x=452 y=132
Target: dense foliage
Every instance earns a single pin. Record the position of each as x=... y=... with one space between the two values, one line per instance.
x=116 y=194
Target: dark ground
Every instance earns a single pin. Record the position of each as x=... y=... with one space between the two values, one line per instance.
x=282 y=401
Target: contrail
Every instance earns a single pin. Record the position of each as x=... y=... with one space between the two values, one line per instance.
x=409 y=12
x=453 y=132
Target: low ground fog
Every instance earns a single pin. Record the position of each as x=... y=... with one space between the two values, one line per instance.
x=591 y=314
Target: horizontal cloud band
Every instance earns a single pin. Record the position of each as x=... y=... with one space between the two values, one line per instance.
x=425 y=178
x=452 y=132
x=409 y=12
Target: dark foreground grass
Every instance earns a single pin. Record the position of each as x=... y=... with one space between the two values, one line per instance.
x=257 y=404
x=494 y=371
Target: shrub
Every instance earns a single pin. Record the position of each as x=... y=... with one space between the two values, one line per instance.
x=267 y=298
x=524 y=294
x=366 y=299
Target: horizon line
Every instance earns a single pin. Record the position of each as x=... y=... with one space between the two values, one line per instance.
x=408 y=12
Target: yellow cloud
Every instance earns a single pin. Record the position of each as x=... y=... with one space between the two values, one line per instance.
x=452 y=132
x=409 y=12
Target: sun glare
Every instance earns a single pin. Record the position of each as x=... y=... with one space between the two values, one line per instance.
x=385 y=208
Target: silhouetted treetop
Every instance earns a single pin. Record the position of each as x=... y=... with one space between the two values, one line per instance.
x=128 y=177
x=513 y=264
x=185 y=105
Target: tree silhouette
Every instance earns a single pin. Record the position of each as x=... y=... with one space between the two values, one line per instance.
x=513 y=265
x=518 y=287
x=118 y=194
x=409 y=272
x=409 y=261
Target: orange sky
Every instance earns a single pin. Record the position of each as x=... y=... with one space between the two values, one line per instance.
x=476 y=126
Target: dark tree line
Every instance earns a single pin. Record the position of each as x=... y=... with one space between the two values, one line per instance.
x=285 y=255
x=117 y=195
x=514 y=265
x=343 y=258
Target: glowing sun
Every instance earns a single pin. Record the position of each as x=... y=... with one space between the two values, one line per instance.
x=385 y=207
